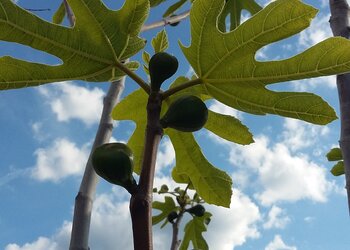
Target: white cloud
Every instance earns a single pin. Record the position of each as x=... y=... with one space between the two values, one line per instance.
x=60 y=160
x=313 y=83
x=309 y=219
x=69 y=101
x=165 y=155
x=298 y=134
x=232 y=227
x=278 y=244
x=276 y=218
x=58 y=241
x=282 y=176
x=318 y=31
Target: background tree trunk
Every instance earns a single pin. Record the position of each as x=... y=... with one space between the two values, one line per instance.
x=339 y=23
x=84 y=199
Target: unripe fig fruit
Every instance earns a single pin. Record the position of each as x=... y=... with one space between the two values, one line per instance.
x=187 y=114
x=197 y=210
x=172 y=216
x=161 y=67
x=114 y=163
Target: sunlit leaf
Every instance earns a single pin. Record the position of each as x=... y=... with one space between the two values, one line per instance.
x=165 y=207
x=88 y=51
x=160 y=41
x=226 y=61
x=193 y=233
x=233 y=10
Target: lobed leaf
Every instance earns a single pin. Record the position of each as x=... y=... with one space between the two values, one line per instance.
x=165 y=207
x=233 y=9
x=193 y=233
x=88 y=51
x=226 y=61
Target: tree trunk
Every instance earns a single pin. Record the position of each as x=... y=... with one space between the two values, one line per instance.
x=141 y=201
x=84 y=199
x=339 y=23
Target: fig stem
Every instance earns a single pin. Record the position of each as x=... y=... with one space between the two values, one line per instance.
x=141 y=201
x=144 y=85
x=183 y=86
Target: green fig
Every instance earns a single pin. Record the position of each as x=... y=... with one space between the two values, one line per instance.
x=197 y=210
x=172 y=216
x=161 y=67
x=114 y=163
x=187 y=114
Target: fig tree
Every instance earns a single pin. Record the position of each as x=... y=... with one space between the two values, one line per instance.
x=161 y=67
x=114 y=163
x=187 y=114
x=197 y=210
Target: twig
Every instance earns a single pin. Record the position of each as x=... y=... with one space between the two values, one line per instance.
x=185 y=85
x=166 y=21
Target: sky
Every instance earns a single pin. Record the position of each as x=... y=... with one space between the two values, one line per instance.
x=284 y=197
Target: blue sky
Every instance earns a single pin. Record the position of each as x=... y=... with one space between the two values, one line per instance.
x=284 y=197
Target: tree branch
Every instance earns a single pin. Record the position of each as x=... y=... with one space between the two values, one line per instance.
x=166 y=21
x=141 y=202
x=84 y=199
x=339 y=23
x=183 y=86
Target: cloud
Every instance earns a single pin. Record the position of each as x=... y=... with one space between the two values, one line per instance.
x=232 y=227
x=276 y=218
x=69 y=101
x=318 y=31
x=278 y=244
x=281 y=175
x=165 y=155
x=58 y=241
x=59 y=160
x=298 y=134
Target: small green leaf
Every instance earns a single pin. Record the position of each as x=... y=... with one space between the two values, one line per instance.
x=146 y=57
x=165 y=207
x=160 y=42
x=59 y=14
x=338 y=169
x=174 y=8
x=193 y=233
x=229 y=128
x=334 y=154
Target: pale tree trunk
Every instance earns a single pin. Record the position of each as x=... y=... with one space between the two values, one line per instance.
x=84 y=199
x=339 y=22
